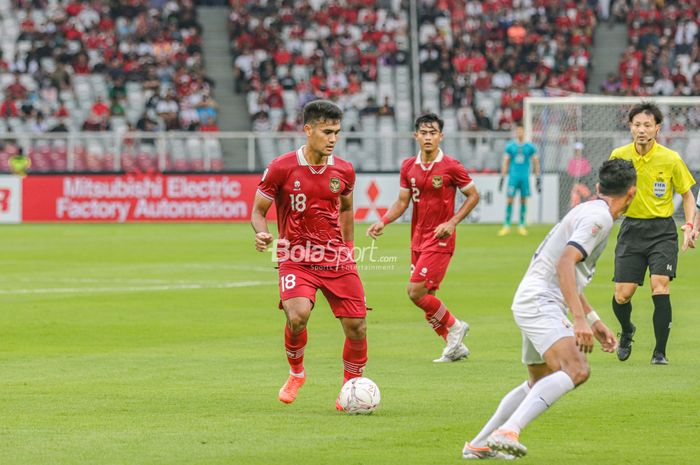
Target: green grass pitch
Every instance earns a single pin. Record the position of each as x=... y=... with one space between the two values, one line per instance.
x=162 y=344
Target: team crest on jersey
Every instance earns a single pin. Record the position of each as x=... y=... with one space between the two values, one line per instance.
x=596 y=229
x=437 y=182
x=297 y=185
x=335 y=185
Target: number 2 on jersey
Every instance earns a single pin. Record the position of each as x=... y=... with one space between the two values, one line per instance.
x=298 y=202
x=415 y=194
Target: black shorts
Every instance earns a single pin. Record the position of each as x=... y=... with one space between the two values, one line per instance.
x=651 y=243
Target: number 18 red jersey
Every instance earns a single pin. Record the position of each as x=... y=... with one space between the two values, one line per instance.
x=307 y=199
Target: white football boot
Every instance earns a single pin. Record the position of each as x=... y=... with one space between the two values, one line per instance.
x=461 y=352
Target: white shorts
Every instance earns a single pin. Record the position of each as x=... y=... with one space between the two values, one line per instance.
x=541 y=323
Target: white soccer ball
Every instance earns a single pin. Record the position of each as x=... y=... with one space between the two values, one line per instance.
x=360 y=396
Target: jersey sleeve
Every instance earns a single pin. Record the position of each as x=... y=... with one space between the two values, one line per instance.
x=697 y=202
x=461 y=176
x=589 y=232
x=615 y=154
x=403 y=176
x=509 y=149
x=271 y=181
x=350 y=184
x=682 y=179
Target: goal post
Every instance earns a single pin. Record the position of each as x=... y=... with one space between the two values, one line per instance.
x=556 y=125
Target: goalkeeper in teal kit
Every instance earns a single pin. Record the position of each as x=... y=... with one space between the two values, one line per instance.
x=519 y=156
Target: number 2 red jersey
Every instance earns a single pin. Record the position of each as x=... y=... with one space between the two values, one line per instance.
x=433 y=190
x=307 y=199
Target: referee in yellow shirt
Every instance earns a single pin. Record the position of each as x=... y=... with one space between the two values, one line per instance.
x=648 y=237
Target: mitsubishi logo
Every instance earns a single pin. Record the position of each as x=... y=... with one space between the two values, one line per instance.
x=372 y=195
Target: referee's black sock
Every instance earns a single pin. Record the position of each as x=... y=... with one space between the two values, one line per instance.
x=662 y=321
x=623 y=312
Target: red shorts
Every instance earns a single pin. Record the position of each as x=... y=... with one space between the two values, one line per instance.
x=342 y=288
x=429 y=267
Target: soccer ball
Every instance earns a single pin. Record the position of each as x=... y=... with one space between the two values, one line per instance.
x=359 y=396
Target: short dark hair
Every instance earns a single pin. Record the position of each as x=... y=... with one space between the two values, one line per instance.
x=321 y=110
x=429 y=118
x=616 y=176
x=648 y=108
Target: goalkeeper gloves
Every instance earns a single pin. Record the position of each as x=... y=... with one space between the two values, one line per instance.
x=538 y=184
x=500 y=184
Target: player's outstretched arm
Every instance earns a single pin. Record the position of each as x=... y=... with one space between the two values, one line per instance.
x=566 y=270
x=395 y=212
x=689 y=235
x=263 y=238
x=600 y=331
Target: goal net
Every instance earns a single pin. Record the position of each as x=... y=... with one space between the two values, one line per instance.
x=596 y=125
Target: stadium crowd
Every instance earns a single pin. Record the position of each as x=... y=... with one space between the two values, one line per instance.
x=87 y=65
x=487 y=55
x=90 y=65
x=289 y=53
x=93 y=66
x=663 y=56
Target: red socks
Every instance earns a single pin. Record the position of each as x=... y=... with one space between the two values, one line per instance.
x=354 y=354
x=294 y=344
x=437 y=314
x=354 y=358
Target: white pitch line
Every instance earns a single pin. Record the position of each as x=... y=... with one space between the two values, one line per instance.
x=110 y=280
x=91 y=290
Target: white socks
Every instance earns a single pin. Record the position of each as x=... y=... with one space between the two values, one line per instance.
x=505 y=409
x=542 y=395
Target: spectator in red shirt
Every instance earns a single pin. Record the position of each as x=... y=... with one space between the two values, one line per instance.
x=516 y=33
x=8 y=108
x=74 y=8
x=80 y=64
x=100 y=108
x=274 y=94
x=16 y=90
x=208 y=125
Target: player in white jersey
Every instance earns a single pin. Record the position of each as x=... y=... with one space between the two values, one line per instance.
x=553 y=348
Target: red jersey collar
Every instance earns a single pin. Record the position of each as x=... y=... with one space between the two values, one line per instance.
x=437 y=160
x=302 y=161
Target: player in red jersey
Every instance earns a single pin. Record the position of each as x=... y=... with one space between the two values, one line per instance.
x=430 y=180
x=312 y=191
